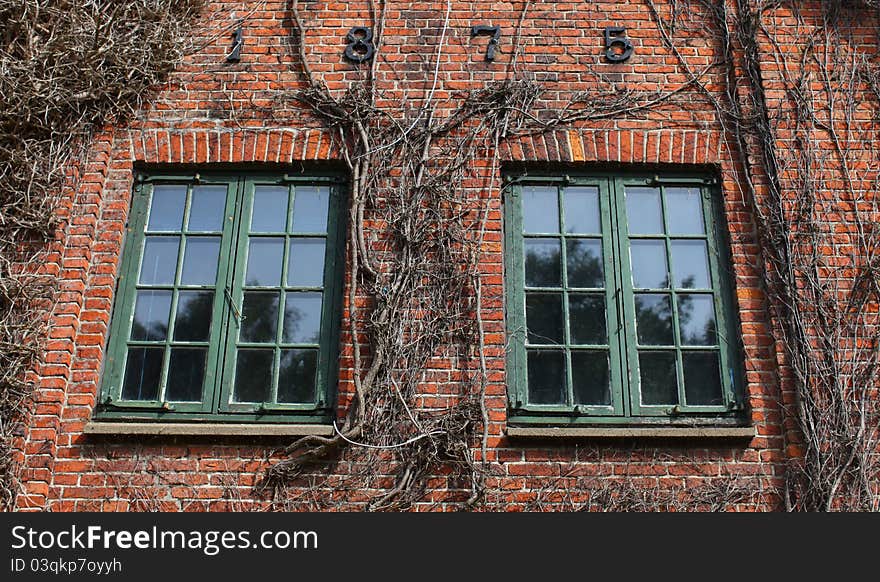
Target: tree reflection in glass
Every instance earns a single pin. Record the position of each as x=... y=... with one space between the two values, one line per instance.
x=584 y=263
x=543 y=264
x=654 y=319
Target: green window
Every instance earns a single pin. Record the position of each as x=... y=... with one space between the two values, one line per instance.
x=226 y=305
x=619 y=301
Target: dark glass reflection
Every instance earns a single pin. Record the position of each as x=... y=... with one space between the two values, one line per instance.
x=310 y=208
x=543 y=264
x=269 y=213
x=702 y=381
x=690 y=264
x=649 y=270
x=696 y=318
x=305 y=266
x=657 y=372
x=193 y=320
x=584 y=262
x=684 y=211
x=186 y=374
x=590 y=376
x=265 y=257
x=200 y=260
x=644 y=213
x=586 y=314
x=160 y=260
x=546 y=371
x=582 y=210
x=540 y=209
x=544 y=318
x=143 y=371
x=296 y=377
x=151 y=312
x=302 y=318
x=654 y=319
x=259 y=317
x=253 y=375
x=166 y=208
x=206 y=208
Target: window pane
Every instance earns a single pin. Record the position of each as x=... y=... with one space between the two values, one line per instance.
x=582 y=210
x=186 y=374
x=584 y=262
x=540 y=209
x=690 y=264
x=259 y=317
x=546 y=371
x=310 y=209
x=200 y=261
x=589 y=373
x=543 y=265
x=696 y=316
x=296 y=378
x=649 y=264
x=702 y=381
x=151 y=313
x=206 y=208
x=302 y=318
x=587 y=319
x=654 y=319
x=166 y=208
x=253 y=375
x=659 y=384
x=143 y=370
x=305 y=266
x=644 y=215
x=265 y=256
x=269 y=212
x=684 y=211
x=193 y=320
x=160 y=260
x=544 y=318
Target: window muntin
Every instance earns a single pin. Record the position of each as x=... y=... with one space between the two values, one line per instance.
x=617 y=306
x=214 y=275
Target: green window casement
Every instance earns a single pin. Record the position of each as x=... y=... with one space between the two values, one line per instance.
x=227 y=300
x=619 y=305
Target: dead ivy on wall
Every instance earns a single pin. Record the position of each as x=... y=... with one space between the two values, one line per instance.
x=66 y=68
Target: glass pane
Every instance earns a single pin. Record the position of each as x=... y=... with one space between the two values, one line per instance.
x=702 y=380
x=166 y=208
x=546 y=371
x=690 y=264
x=269 y=213
x=193 y=320
x=644 y=214
x=654 y=319
x=543 y=265
x=302 y=318
x=310 y=209
x=200 y=260
x=649 y=264
x=696 y=316
x=206 y=208
x=540 y=209
x=684 y=211
x=582 y=210
x=151 y=312
x=584 y=262
x=296 y=378
x=160 y=260
x=305 y=266
x=265 y=256
x=253 y=375
x=544 y=318
x=259 y=317
x=657 y=371
x=186 y=374
x=586 y=315
x=143 y=371
x=590 y=375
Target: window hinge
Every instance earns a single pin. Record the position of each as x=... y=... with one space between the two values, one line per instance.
x=167 y=406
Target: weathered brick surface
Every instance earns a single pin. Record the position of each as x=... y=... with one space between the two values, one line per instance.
x=212 y=113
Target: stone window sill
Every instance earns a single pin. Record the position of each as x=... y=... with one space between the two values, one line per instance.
x=666 y=432
x=205 y=429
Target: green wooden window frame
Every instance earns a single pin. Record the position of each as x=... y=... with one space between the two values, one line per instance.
x=570 y=271
x=161 y=329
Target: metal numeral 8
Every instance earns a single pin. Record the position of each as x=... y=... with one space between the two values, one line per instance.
x=360 y=48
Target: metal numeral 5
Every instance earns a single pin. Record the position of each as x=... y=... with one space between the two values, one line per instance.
x=360 y=47
x=618 y=48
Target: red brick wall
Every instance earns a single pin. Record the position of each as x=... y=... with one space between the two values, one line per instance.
x=212 y=112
